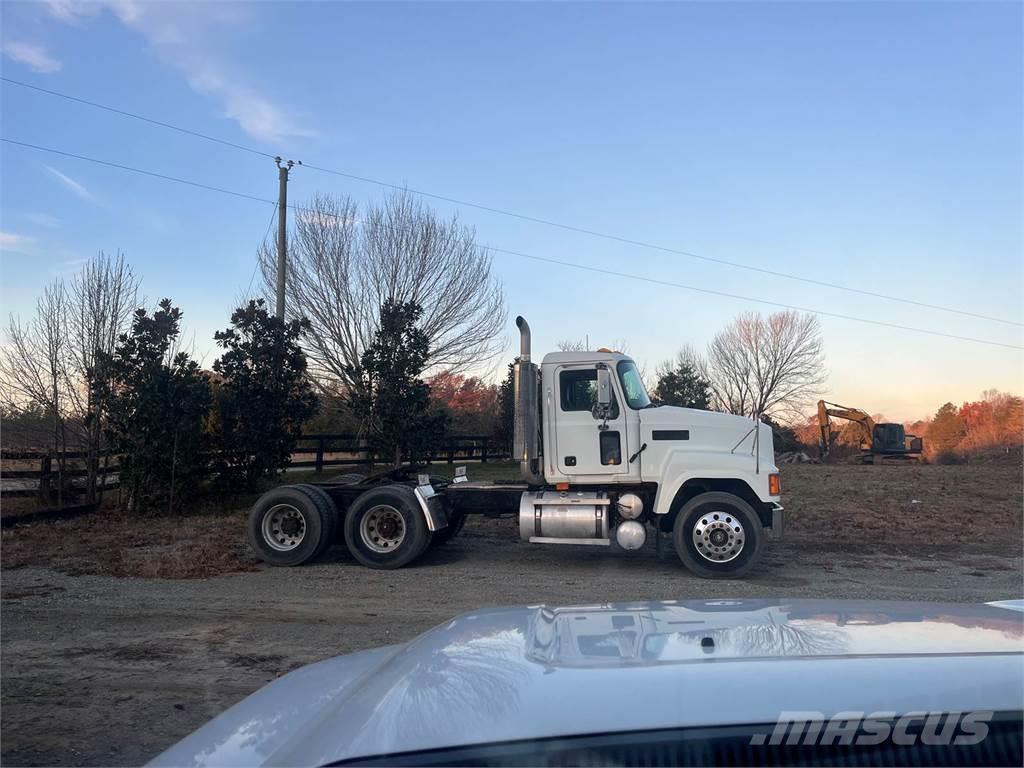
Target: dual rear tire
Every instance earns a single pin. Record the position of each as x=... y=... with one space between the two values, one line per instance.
x=293 y=524
x=384 y=527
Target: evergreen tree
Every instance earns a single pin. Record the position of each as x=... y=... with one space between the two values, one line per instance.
x=264 y=395
x=387 y=393
x=156 y=402
x=946 y=431
x=681 y=383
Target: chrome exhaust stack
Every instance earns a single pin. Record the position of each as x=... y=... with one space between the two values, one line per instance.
x=524 y=339
x=526 y=435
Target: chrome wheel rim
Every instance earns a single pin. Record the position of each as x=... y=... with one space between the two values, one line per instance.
x=382 y=529
x=718 y=536
x=284 y=527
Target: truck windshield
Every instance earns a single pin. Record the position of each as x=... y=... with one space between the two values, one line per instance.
x=632 y=385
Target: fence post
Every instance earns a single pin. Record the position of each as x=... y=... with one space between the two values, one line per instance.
x=319 y=455
x=451 y=451
x=45 y=469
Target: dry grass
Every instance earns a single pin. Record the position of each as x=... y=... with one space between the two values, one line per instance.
x=909 y=505
x=111 y=543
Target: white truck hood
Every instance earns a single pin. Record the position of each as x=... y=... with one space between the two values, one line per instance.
x=522 y=673
x=710 y=430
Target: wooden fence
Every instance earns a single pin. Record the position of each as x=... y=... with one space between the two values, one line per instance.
x=315 y=451
x=336 y=449
x=40 y=480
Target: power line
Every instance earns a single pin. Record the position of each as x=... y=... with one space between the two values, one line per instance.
x=769 y=302
x=572 y=265
x=532 y=219
x=138 y=170
x=257 y=265
x=664 y=249
x=134 y=116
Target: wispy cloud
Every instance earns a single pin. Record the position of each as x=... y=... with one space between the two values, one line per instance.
x=74 y=186
x=67 y=267
x=13 y=243
x=32 y=55
x=71 y=10
x=42 y=219
x=187 y=36
x=308 y=216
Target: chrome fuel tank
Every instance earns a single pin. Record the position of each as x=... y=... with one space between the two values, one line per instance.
x=556 y=516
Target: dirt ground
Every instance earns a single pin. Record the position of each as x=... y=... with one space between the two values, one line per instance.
x=115 y=646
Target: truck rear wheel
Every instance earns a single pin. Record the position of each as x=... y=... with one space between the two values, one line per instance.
x=286 y=526
x=385 y=527
x=717 y=535
x=328 y=516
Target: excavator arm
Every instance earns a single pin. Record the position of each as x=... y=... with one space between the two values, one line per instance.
x=862 y=418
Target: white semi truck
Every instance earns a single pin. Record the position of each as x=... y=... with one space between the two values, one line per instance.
x=600 y=463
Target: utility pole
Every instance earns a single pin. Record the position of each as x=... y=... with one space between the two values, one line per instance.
x=282 y=237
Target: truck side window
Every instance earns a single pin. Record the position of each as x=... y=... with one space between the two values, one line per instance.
x=578 y=391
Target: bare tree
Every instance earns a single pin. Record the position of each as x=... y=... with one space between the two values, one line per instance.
x=102 y=298
x=33 y=367
x=570 y=345
x=344 y=264
x=772 y=366
x=49 y=363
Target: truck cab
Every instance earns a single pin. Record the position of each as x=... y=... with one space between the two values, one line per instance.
x=639 y=441
x=587 y=429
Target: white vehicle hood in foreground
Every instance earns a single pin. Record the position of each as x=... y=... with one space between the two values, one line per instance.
x=523 y=673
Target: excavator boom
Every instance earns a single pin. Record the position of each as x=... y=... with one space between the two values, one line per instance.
x=875 y=439
x=856 y=415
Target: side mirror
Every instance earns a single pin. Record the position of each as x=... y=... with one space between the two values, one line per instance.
x=603 y=406
x=604 y=388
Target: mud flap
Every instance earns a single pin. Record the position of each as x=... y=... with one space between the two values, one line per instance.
x=430 y=503
x=665 y=548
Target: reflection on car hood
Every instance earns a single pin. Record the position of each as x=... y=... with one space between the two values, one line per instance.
x=520 y=673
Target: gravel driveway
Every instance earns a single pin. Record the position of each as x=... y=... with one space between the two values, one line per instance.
x=100 y=670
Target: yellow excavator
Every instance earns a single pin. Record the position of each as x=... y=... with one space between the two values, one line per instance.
x=878 y=441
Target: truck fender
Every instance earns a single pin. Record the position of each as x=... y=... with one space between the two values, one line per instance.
x=670 y=497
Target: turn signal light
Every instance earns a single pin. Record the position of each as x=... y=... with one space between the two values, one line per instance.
x=561 y=486
x=774 y=485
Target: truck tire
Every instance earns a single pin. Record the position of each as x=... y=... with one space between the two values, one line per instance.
x=717 y=535
x=385 y=527
x=328 y=515
x=350 y=478
x=286 y=526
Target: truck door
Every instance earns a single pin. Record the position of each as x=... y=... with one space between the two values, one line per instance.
x=582 y=446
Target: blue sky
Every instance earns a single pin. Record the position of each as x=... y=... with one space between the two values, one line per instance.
x=877 y=145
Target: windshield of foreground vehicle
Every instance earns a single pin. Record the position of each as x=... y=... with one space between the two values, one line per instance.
x=633 y=385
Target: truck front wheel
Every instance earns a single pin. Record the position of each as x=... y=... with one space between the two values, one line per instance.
x=717 y=535
x=385 y=527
